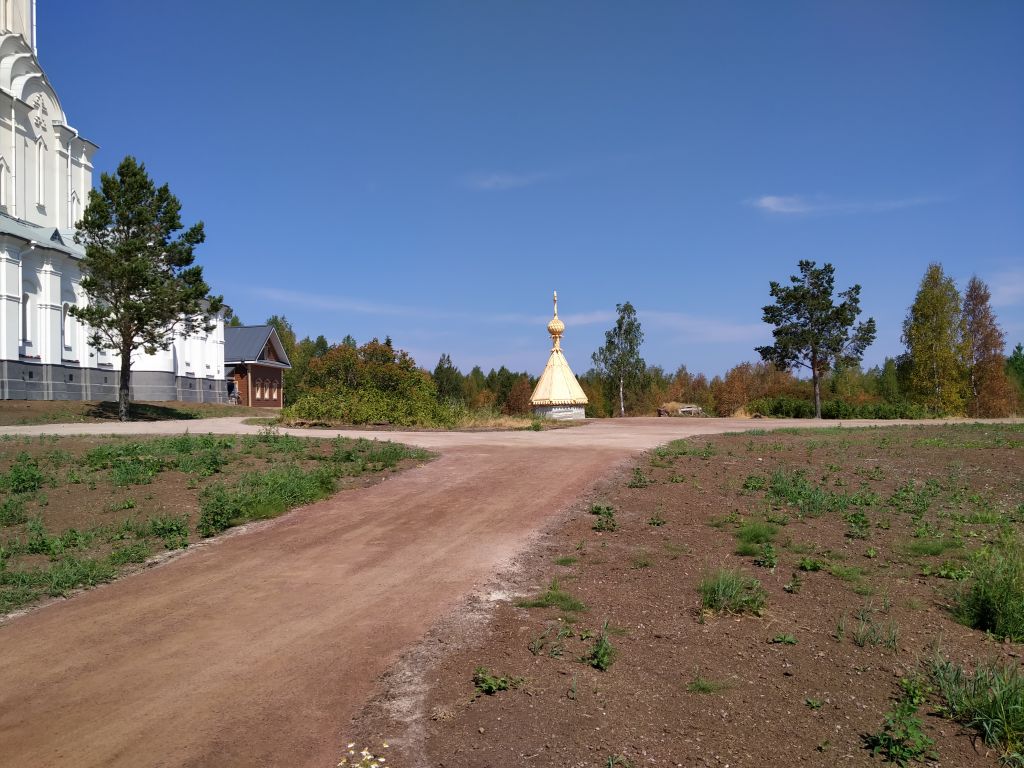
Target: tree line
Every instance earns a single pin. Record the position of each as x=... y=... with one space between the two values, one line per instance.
x=954 y=362
x=144 y=287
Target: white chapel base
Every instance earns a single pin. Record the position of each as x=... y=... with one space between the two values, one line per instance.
x=559 y=412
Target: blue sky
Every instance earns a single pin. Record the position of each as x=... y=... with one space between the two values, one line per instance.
x=433 y=170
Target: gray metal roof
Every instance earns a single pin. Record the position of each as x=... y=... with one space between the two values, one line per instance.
x=46 y=237
x=243 y=344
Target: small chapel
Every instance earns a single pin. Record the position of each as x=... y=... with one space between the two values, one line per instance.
x=45 y=177
x=558 y=395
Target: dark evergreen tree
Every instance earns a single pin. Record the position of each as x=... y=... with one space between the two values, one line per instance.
x=139 y=271
x=448 y=380
x=811 y=331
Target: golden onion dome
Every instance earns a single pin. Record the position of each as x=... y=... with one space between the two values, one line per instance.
x=556 y=327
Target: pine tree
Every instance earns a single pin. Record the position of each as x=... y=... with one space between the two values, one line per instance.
x=138 y=270
x=811 y=331
x=935 y=337
x=448 y=380
x=1015 y=367
x=990 y=393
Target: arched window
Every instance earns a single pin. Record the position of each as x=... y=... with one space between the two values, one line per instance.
x=259 y=389
x=40 y=171
x=76 y=210
x=273 y=390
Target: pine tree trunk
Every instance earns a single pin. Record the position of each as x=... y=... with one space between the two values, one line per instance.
x=622 y=399
x=123 y=390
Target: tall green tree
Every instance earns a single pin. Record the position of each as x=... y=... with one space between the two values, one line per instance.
x=811 y=330
x=990 y=392
x=285 y=333
x=448 y=380
x=619 y=361
x=935 y=336
x=1015 y=367
x=139 y=272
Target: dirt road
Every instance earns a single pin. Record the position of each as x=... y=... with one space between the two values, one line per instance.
x=256 y=649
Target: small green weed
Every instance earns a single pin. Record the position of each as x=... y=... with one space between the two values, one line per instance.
x=704 y=685
x=768 y=558
x=639 y=479
x=605 y=514
x=901 y=739
x=603 y=653
x=489 y=684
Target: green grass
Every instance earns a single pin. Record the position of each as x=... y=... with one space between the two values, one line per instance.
x=729 y=591
x=756 y=532
x=993 y=600
x=704 y=685
x=298 y=471
x=261 y=495
x=990 y=700
x=554 y=597
x=566 y=561
x=930 y=547
x=642 y=559
x=793 y=489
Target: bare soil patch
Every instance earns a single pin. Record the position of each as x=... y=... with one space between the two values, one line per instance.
x=858 y=597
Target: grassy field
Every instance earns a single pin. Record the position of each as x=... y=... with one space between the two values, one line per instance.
x=799 y=597
x=77 y=511
x=25 y=412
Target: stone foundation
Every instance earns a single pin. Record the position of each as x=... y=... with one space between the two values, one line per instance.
x=35 y=381
x=559 y=412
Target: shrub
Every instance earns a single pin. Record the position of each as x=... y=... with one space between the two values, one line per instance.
x=993 y=601
x=729 y=591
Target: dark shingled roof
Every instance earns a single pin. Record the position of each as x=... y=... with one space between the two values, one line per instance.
x=243 y=344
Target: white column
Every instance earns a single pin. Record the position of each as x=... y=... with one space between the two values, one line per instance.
x=49 y=343
x=10 y=300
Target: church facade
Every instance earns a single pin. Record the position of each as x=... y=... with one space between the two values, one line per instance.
x=45 y=177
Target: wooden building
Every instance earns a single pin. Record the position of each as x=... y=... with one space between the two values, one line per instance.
x=255 y=362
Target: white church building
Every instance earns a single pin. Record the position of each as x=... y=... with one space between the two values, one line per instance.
x=45 y=178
